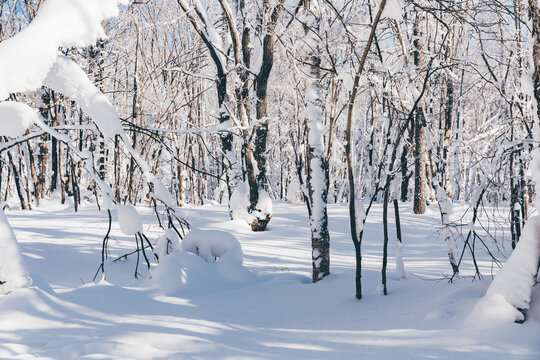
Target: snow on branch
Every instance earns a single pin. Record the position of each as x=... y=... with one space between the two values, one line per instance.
x=16 y=118
x=26 y=58
x=66 y=77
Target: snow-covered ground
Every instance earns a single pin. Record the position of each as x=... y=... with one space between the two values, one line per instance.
x=267 y=310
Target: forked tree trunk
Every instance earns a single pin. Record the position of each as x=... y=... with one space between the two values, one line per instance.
x=356 y=225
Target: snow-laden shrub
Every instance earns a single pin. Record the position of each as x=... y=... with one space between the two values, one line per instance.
x=195 y=269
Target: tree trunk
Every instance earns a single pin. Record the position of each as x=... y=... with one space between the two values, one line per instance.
x=317 y=175
x=419 y=206
x=17 y=179
x=356 y=228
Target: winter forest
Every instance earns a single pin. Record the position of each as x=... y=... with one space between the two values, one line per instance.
x=269 y=179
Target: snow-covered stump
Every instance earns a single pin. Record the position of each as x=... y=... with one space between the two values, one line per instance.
x=13 y=272
x=257 y=217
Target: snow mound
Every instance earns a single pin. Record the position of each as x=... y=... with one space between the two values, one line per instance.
x=511 y=289
x=195 y=270
x=16 y=118
x=129 y=219
x=492 y=310
x=167 y=243
x=212 y=244
x=13 y=272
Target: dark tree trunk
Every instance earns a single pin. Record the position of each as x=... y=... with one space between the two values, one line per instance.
x=419 y=206
x=17 y=179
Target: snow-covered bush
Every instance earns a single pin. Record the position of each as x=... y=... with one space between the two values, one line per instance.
x=195 y=269
x=212 y=244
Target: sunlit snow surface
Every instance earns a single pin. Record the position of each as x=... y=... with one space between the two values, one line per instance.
x=275 y=313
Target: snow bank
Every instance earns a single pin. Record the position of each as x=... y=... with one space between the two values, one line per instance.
x=13 y=272
x=26 y=58
x=511 y=289
x=212 y=244
x=129 y=219
x=16 y=118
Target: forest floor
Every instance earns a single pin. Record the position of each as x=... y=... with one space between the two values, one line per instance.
x=276 y=313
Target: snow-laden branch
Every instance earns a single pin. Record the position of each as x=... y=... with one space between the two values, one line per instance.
x=16 y=118
x=26 y=58
x=68 y=78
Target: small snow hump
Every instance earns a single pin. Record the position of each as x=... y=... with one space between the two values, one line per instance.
x=212 y=244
